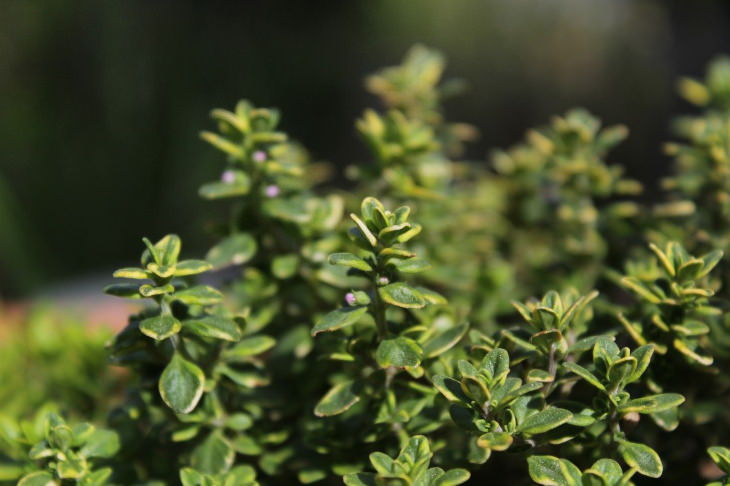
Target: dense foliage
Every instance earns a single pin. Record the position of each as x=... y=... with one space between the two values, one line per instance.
x=530 y=320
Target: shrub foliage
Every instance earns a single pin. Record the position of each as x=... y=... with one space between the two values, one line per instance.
x=524 y=320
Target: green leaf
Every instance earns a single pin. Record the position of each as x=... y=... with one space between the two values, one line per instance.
x=441 y=343
x=359 y=479
x=666 y=419
x=349 y=260
x=243 y=444
x=721 y=457
x=162 y=271
x=382 y=463
x=402 y=295
x=688 y=270
x=97 y=478
x=285 y=266
x=238 y=422
x=642 y=457
x=364 y=231
x=691 y=328
x=250 y=346
x=233 y=250
x=125 y=290
x=608 y=470
x=216 y=190
x=664 y=259
x=131 y=272
x=338 y=319
x=339 y=399
x=585 y=374
x=552 y=471
x=431 y=296
x=643 y=356
x=150 y=290
x=214 y=455
x=539 y=376
x=38 y=478
x=408 y=235
x=546 y=340
x=222 y=143
x=160 y=327
x=246 y=379
x=310 y=475
x=167 y=251
x=198 y=295
x=390 y=233
x=450 y=388
x=691 y=354
x=452 y=478
x=400 y=352
x=243 y=475
x=640 y=289
x=652 y=403
x=191 y=477
x=41 y=450
x=101 y=443
x=71 y=468
x=709 y=260
x=620 y=370
x=475 y=388
x=191 y=267
x=412 y=265
x=495 y=365
x=181 y=384
x=496 y=441
x=544 y=420
x=214 y=327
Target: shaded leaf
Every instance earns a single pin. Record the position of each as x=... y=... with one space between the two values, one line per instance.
x=443 y=342
x=340 y=398
x=236 y=249
x=216 y=327
x=400 y=352
x=181 y=384
x=402 y=295
x=349 y=260
x=544 y=420
x=338 y=319
x=198 y=295
x=642 y=457
x=160 y=327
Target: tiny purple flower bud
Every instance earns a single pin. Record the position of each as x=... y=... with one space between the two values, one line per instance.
x=272 y=190
x=259 y=156
x=228 y=176
x=383 y=281
x=350 y=298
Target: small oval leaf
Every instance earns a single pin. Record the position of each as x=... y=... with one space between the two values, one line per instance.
x=181 y=384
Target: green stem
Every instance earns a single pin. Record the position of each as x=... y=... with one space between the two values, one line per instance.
x=379 y=310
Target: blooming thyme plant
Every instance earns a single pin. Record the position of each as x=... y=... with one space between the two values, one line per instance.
x=524 y=322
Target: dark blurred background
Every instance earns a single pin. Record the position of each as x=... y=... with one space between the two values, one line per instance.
x=102 y=101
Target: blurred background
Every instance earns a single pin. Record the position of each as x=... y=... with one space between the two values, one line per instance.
x=102 y=101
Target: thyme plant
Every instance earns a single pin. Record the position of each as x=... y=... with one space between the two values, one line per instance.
x=521 y=320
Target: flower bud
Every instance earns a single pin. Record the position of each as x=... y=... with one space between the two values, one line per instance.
x=272 y=190
x=228 y=176
x=259 y=156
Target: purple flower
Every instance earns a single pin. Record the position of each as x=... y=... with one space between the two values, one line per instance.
x=383 y=281
x=350 y=298
x=228 y=176
x=272 y=190
x=259 y=156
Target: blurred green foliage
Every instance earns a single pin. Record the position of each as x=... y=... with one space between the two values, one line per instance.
x=105 y=91
x=49 y=357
